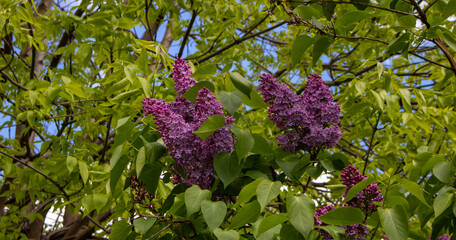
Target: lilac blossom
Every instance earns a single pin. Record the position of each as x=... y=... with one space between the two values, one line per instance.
x=325 y=235
x=176 y=121
x=365 y=199
x=310 y=121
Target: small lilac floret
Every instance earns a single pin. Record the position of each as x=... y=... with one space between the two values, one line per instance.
x=309 y=121
x=176 y=121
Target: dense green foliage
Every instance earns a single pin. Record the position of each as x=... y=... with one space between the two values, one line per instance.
x=75 y=144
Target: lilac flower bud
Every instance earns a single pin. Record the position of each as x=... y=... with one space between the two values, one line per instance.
x=309 y=121
x=177 y=121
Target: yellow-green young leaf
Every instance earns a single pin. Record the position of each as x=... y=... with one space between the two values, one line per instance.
x=301 y=211
x=125 y=95
x=395 y=222
x=226 y=235
x=414 y=189
x=193 y=198
x=120 y=85
x=270 y=222
x=145 y=86
x=213 y=213
x=266 y=191
x=442 y=202
x=245 y=215
x=84 y=171
x=343 y=216
x=379 y=99
x=209 y=126
x=71 y=163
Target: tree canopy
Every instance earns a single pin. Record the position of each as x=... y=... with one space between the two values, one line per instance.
x=207 y=119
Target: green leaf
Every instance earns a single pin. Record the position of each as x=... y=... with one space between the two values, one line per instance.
x=231 y=101
x=301 y=211
x=145 y=86
x=358 y=6
x=358 y=188
x=120 y=85
x=414 y=189
x=125 y=95
x=320 y=46
x=120 y=230
x=193 y=198
x=242 y=84
x=213 y=213
x=116 y=156
x=395 y=222
x=261 y=145
x=117 y=171
x=226 y=235
x=150 y=175
x=352 y=17
x=84 y=171
x=210 y=125
x=450 y=9
x=140 y=160
x=267 y=190
x=300 y=45
x=343 y=216
x=442 y=202
x=227 y=167
x=442 y=171
x=449 y=39
x=336 y=232
x=399 y=44
x=270 y=222
x=244 y=141
x=144 y=224
x=71 y=163
x=288 y=232
x=208 y=69
x=154 y=150
x=248 y=191
x=307 y=12
x=192 y=92
x=245 y=215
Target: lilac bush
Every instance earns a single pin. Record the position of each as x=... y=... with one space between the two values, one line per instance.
x=176 y=121
x=310 y=122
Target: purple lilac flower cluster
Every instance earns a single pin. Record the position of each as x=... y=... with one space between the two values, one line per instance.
x=324 y=234
x=177 y=121
x=364 y=200
x=310 y=120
